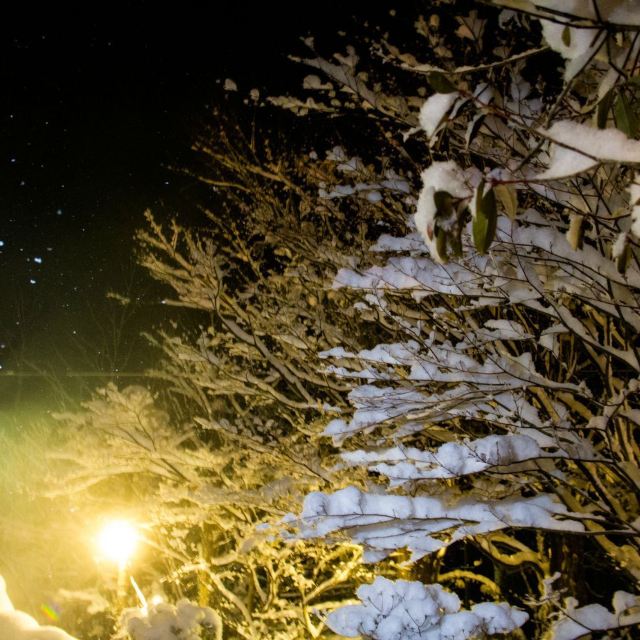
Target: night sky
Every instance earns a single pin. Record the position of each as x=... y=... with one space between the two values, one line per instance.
x=94 y=107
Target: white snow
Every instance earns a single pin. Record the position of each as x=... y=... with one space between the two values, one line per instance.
x=452 y=459
x=583 y=272
x=621 y=12
x=569 y=42
x=493 y=331
x=404 y=610
x=440 y=176
x=624 y=12
x=634 y=202
x=384 y=523
x=434 y=110
x=619 y=245
x=577 y=622
x=436 y=362
x=369 y=190
x=164 y=621
x=17 y=625
x=577 y=44
x=578 y=147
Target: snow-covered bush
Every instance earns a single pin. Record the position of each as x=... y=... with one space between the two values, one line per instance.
x=412 y=611
x=502 y=397
x=163 y=621
x=433 y=333
x=197 y=503
x=486 y=340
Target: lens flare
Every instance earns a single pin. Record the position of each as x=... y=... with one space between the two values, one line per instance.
x=52 y=611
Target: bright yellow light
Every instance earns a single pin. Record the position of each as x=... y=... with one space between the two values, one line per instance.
x=118 y=540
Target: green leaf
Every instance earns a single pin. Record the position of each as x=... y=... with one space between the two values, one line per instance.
x=473 y=128
x=622 y=261
x=508 y=198
x=440 y=83
x=626 y=119
x=485 y=220
x=604 y=106
x=444 y=204
x=441 y=244
x=566 y=37
x=455 y=242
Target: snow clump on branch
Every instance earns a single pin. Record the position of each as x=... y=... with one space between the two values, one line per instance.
x=448 y=181
x=165 y=621
x=404 y=610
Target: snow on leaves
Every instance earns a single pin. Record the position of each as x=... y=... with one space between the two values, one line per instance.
x=440 y=210
x=578 y=147
x=578 y=622
x=354 y=169
x=476 y=390
x=165 y=621
x=455 y=459
x=434 y=110
x=384 y=523
x=404 y=610
x=634 y=201
x=476 y=381
x=532 y=263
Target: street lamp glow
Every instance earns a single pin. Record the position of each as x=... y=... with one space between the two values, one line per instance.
x=117 y=541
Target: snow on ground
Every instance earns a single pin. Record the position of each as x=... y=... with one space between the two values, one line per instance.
x=17 y=625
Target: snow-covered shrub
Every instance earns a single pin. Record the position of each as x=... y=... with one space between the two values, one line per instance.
x=197 y=504
x=401 y=610
x=163 y=621
x=578 y=622
x=502 y=397
x=487 y=340
x=236 y=439
x=432 y=334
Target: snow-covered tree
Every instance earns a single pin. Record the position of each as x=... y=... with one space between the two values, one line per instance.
x=198 y=502
x=234 y=438
x=425 y=318
x=502 y=415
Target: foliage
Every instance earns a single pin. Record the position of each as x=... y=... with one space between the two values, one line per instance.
x=197 y=512
x=506 y=400
x=435 y=340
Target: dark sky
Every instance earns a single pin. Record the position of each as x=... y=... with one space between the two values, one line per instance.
x=94 y=105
